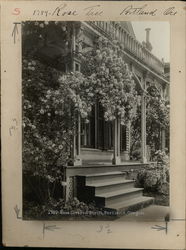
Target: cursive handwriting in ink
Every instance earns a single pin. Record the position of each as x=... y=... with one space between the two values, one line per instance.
x=131 y=10
x=170 y=11
x=93 y=11
x=64 y=10
x=61 y=10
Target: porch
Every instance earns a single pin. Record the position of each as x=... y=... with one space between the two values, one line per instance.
x=102 y=170
x=108 y=141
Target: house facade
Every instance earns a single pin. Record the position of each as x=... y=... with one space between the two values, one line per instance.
x=100 y=140
x=101 y=146
x=101 y=149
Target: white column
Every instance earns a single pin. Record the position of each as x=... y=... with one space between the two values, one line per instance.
x=96 y=124
x=74 y=150
x=118 y=137
x=115 y=141
x=163 y=139
x=143 y=129
x=77 y=143
x=116 y=156
x=129 y=136
x=77 y=128
x=69 y=188
x=79 y=136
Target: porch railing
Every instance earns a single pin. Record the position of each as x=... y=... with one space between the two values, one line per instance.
x=114 y=30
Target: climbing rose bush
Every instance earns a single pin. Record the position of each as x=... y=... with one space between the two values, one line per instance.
x=111 y=81
x=53 y=101
x=157 y=118
x=51 y=104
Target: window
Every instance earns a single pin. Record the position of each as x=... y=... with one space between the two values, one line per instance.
x=77 y=67
x=98 y=133
x=123 y=138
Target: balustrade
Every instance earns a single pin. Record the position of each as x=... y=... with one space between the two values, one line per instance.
x=131 y=45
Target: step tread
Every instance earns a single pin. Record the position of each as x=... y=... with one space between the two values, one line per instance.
x=101 y=184
x=102 y=174
x=130 y=202
x=119 y=192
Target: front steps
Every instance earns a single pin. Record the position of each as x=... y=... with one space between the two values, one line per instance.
x=111 y=191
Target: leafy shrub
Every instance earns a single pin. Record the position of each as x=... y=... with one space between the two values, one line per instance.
x=155 y=178
x=161 y=157
x=56 y=209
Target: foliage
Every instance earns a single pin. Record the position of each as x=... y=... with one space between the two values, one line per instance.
x=157 y=118
x=155 y=178
x=56 y=209
x=51 y=103
x=161 y=157
x=51 y=39
x=52 y=99
x=43 y=146
x=111 y=80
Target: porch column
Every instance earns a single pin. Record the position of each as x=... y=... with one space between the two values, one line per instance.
x=77 y=143
x=163 y=139
x=76 y=154
x=117 y=159
x=128 y=136
x=143 y=129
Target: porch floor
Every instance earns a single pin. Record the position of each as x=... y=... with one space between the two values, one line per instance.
x=103 y=167
x=109 y=163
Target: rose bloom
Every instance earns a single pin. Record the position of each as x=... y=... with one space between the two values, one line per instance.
x=41 y=25
x=42 y=111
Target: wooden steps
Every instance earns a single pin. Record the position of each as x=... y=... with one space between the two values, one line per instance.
x=111 y=186
x=131 y=205
x=104 y=177
x=111 y=191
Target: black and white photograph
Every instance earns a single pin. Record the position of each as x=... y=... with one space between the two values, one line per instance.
x=93 y=124
x=95 y=99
